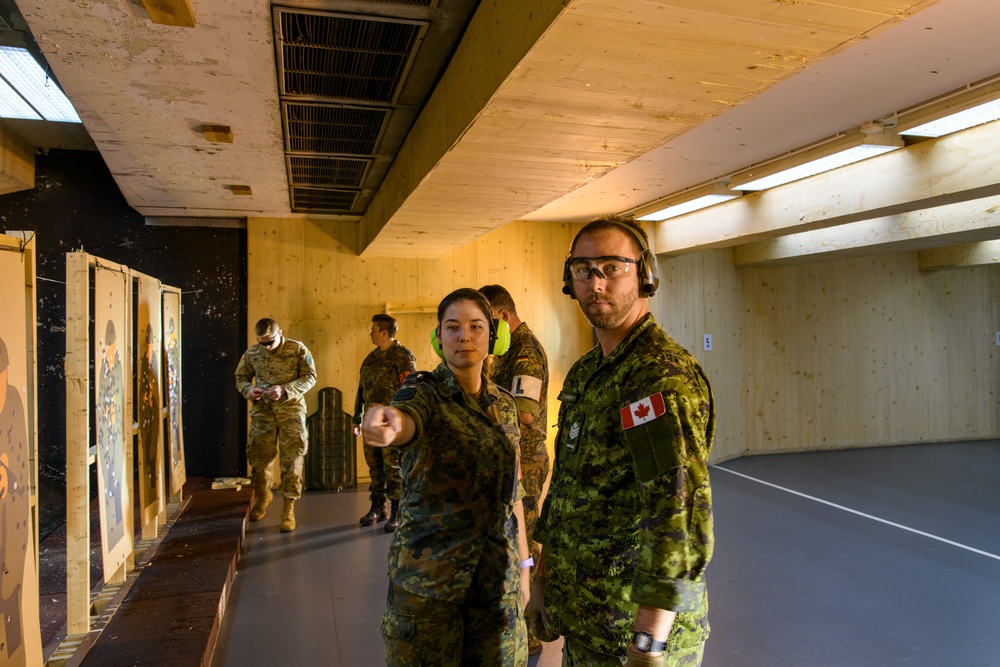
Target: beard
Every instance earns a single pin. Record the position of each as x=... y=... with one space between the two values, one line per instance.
x=609 y=318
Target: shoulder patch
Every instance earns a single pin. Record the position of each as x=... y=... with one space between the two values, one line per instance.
x=642 y=411
x=404 y=393
x=409 y=388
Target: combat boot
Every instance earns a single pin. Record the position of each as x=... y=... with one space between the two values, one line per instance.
x=393 y=522
x=262 y=496
x=376 y=513
x=288 y=516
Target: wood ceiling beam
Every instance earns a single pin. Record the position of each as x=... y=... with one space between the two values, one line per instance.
x=971 y=221
x=960 y=256
x=496 y=41
x=956 y=168
x=170 y=12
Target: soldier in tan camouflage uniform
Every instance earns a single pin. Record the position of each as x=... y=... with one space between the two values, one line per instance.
x=524 y=371
x=382 y=373
x=456 y=586
x=274 y=376
x=627 y=524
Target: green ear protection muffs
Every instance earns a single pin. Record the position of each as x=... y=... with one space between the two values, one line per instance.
x=499 y=338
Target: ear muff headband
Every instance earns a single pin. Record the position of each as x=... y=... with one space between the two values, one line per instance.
x=499 y=338
x=649 y=278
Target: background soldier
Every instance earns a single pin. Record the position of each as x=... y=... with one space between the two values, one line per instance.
x=284 y=372
x=382 y=373
x=627 y=523
x=524 y=371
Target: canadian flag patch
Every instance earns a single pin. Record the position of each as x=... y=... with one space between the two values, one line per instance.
x=642 y=411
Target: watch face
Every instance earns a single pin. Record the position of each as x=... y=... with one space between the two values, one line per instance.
x=642 y=640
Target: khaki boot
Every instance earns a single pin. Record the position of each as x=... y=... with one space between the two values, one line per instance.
x=288 y=516
x=263 y=498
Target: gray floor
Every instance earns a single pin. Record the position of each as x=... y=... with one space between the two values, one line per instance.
x=832 y=559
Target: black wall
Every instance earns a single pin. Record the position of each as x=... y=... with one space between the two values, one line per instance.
x=77 y=205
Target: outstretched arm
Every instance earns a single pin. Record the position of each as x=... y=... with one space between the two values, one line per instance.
x=385 y=425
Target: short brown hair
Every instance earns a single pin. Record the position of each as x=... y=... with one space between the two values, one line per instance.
x=265 y=326
x=637 y=235
x=499 y=297
x=386 y=323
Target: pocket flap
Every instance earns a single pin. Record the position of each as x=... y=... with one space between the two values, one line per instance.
x=398 y=626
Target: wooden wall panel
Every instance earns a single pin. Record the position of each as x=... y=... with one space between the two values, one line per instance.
x=850 y=353
x=324 y=295
x=700 y=294
x=867 y=352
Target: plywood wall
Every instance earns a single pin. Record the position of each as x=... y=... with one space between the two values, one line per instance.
x=860 y=352
x=324 y=295
x=700 y=294
x=868 y=351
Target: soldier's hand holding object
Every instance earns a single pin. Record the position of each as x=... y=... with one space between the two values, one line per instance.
x=274 y=392
x=256 y=393
x=381 y=425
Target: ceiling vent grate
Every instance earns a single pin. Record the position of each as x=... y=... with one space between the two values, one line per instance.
x=411 y=3
x=330 y=56
x=327 y=171
x=324 y=128
x=320 y=199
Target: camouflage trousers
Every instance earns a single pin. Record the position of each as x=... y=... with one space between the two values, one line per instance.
x=534 y=471
x=422 y=631
x=269 y=434
x=383 y=462
x=576 y=654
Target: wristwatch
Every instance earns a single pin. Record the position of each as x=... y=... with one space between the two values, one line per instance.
x=644 y=642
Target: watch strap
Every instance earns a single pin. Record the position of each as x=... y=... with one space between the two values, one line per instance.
x=644 y=642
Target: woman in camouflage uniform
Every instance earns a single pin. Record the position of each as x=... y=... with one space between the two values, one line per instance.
x=456 y=589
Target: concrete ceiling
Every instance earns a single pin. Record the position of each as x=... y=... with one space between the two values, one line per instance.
x=549 y=110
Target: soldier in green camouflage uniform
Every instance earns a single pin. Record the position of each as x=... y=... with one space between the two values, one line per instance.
x=455 y=582
x=524 y=371
x=627 y=523
x=382 y=373
x=274 y=376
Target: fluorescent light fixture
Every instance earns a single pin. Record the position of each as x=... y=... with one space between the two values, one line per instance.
x=25 y=84
x=13 y=105
x=977 y=115
x=685 y=202
x=838 y=152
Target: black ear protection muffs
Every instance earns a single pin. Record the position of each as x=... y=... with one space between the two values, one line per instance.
x=649 y=278
x=499 y=338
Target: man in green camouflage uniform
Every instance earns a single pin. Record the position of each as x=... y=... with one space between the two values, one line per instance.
x=382 y=373
x=524 y=371
x=454 y=597
x=627 y=523
x=274 y=376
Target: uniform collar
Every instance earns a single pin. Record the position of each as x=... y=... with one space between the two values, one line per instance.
x=644 y=323
x=448 y=383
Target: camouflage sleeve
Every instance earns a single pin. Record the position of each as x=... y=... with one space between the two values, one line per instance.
x=408 y=365
x=669 y=456
x=307 y=375
x=417 y=399
x=359 y=405
x=528 y=375
x=244 y=376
